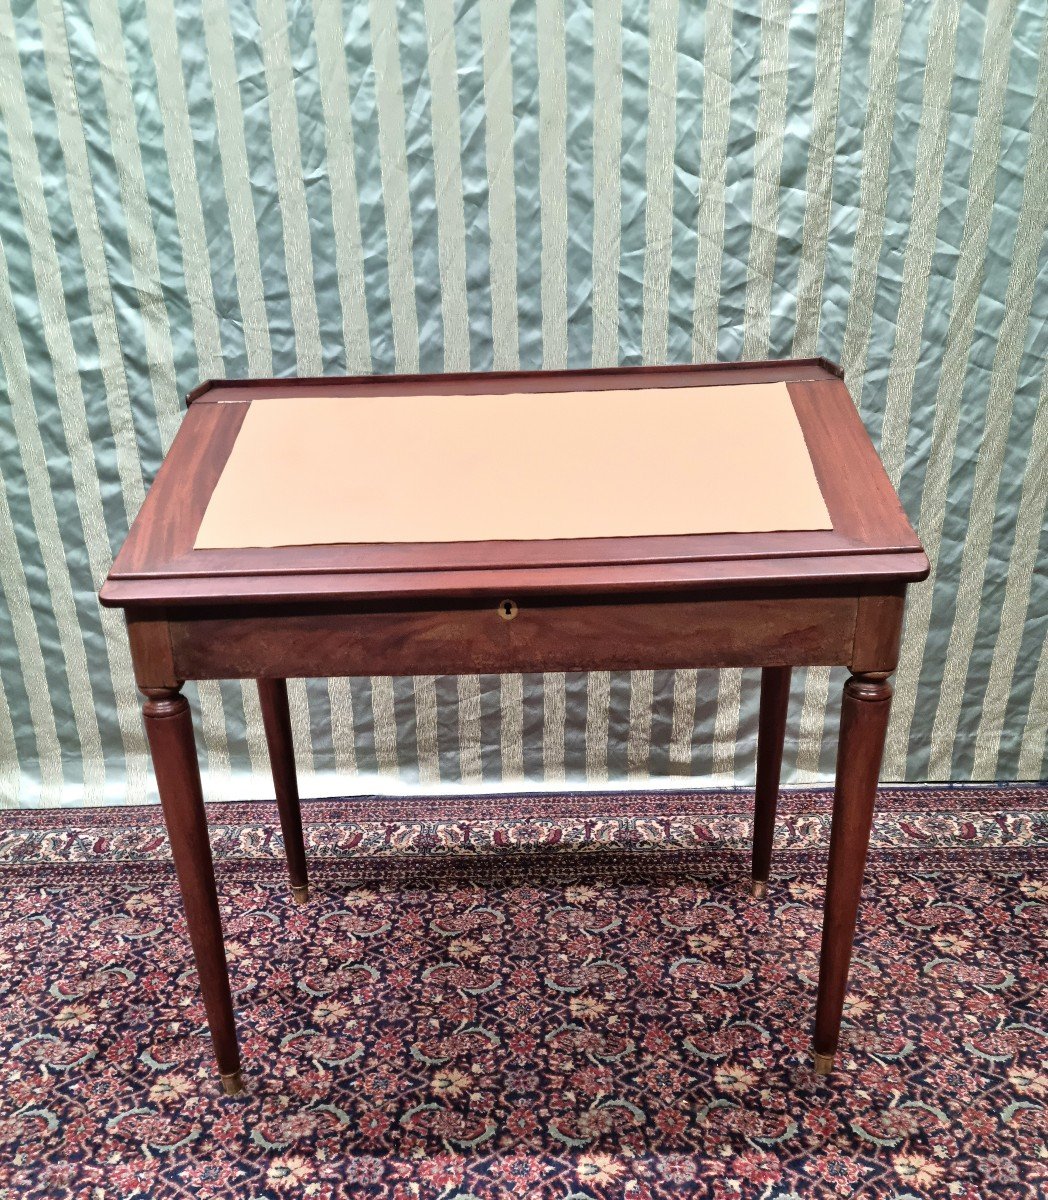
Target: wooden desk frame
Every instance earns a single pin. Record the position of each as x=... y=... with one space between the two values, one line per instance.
x=776 y=600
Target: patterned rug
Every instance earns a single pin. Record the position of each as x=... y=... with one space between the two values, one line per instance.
x=570 y=997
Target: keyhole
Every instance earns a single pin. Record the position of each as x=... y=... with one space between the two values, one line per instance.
x=507 y=610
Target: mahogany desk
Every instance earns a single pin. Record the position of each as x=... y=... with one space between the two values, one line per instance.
x=830 y=596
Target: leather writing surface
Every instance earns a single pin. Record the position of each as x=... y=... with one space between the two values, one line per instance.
x=321 y=469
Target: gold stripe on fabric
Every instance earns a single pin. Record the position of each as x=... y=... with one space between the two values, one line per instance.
x=384 y=719
x=342 y=174
x=426 y=745
x=638 y=741
x=553 y=184
x=393 y=165
x=343 y=726
x=811 y=728
x=343 y=735
x=471 y=768
x=607 y=185
x=598 y=708
x=1035 y=731
x=661 y=147
x=713 y=165
x=511 y=726
x=447 y=175
x=256 y=742
x=28 y=647
x=553 y=716
x=10 y=774
x=213 y=729
x=767 y=168
x=930 y=157
x=291 y=190
x=726 y=725
x=829 y=34
x=236 y=177
x=682 y=722
x=969 y=278
x=1015 y=607
x=302 y=724
x=185 y=189
x=885 y=40
x=502 y=191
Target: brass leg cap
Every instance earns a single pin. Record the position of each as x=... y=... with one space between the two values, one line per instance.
x=823 y=1064
x=758 y=889
x=232 y=1084
x=300 y=894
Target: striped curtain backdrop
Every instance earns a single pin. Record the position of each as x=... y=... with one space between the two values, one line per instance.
x=217 y=188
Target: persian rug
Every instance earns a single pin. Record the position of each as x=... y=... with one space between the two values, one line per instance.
x=570 y=997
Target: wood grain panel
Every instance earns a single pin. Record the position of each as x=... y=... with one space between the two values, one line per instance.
x=570 y=637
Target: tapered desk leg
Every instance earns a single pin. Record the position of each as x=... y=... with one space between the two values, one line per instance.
x=169 y=728
x=864 y=723
x=771 y=733
x=276 y=718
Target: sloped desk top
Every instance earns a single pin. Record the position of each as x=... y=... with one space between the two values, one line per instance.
x=578 y=481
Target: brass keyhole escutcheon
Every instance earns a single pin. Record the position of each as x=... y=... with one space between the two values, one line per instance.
x=507 y=609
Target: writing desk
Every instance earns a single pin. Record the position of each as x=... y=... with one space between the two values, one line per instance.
x=814 y=571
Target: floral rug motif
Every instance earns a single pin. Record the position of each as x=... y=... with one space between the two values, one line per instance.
x=570 y=997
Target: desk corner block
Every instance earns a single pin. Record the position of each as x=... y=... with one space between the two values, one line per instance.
x=149 y=636
x=878 y=632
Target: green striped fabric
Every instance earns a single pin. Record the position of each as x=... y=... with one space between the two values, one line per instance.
x=225 y=188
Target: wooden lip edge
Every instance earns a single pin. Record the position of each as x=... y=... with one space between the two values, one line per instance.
x=125 y=593
x=820 y=361
x=850 y=551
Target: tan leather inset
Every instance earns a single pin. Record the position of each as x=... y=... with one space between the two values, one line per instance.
x=335 y=469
